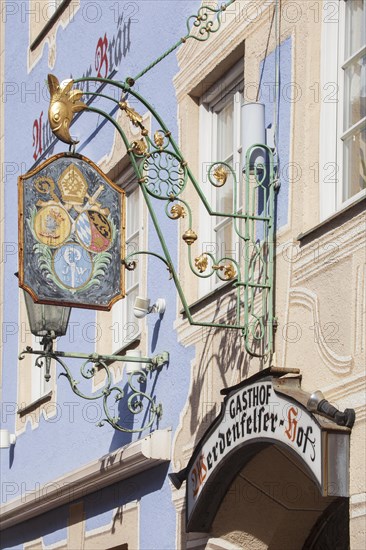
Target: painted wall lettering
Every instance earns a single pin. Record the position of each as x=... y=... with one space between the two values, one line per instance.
x=109 y=54
x=37 y=137
x=101 y=59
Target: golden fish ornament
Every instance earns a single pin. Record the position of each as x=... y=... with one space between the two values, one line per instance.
x=64 y=103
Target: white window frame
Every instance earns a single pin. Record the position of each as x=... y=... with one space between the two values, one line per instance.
x=123 y=335
x=333 y=63
x=229 y=86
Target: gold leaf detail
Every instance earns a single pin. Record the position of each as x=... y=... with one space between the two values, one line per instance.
x=133 y=115
x=220 y=174
x=229 y=271
x=158 y=139
x=63 y=104
x=177 y=211
x=139 y=147
x=201 y=263
x=189 y=236
x=73 y=185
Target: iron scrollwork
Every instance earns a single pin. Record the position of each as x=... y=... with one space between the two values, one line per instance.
x=132 y=398
x=163 y=174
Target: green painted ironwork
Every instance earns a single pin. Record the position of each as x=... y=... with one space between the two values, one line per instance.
x=111 y=395
x=199 y=27
x=163 y=174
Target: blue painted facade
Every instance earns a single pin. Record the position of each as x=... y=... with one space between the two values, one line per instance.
x=70 y=439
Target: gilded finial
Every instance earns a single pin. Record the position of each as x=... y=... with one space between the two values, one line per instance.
x=189 y=236
x=63 y=104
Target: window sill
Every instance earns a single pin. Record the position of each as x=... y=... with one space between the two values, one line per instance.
x=133 y=344
x=48 y=26
x=35 y=404
x=333 y=221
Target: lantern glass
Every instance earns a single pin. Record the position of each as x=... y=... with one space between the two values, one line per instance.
x=45 y=318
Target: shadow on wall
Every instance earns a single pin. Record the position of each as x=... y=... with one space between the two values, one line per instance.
x=128 y=408
x=223 y=353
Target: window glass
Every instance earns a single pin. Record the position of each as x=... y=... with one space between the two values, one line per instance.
x=226 y=150
x=220 y=143
x=354 y=94
x=354 y=165
x=125 y=324
x=355 y=26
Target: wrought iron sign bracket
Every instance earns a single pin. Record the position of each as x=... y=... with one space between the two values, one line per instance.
x=163 y=174
x=132 y=397
x=90 y=233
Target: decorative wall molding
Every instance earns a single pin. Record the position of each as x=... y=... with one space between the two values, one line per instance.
x=112 y=468
x=220 y=544
x=197 y=57
x=358 y=505
x=348 y=387
x=339 y=364
x=329 y=249
x=360 y=310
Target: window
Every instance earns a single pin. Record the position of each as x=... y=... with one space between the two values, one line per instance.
x=343 y=108
x=125 y=327
x=220 y=142
x=354 y=107
x=33 y=392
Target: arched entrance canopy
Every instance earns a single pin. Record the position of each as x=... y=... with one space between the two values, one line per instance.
x=266 y=409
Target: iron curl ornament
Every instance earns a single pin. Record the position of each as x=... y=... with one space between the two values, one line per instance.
x=132 y=397
x=163 y=174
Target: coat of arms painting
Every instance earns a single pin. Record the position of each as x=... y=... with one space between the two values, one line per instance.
x=71 y=234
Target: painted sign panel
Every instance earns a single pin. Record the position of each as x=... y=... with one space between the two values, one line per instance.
x=71 y=234
x=254 y=413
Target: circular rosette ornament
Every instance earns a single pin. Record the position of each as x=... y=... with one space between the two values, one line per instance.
x=73 y=266
x=166 y=175
x=93 y=231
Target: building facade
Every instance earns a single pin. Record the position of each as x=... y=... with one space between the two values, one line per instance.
x=67 y=483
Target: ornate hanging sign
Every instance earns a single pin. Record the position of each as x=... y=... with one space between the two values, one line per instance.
x=71 y=234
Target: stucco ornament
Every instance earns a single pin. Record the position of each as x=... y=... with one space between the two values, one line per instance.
x=64 y=103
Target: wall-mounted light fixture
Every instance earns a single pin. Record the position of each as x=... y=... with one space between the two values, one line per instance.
x=142 y=307
x=253 y=132
x=318 y=404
